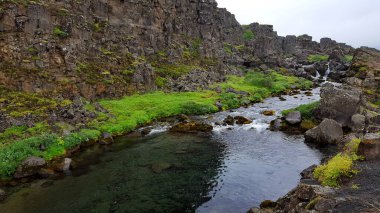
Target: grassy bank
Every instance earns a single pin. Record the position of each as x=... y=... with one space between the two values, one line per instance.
x=126 y=114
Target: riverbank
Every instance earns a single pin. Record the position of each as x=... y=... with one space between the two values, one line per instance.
x=51 y=139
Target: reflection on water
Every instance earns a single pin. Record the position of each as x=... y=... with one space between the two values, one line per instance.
x=230 y=170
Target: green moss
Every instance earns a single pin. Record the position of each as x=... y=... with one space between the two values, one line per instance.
x=160 y=81
x=248 y=35
x=306 y=110
x=351 y=147
x=228 y=48
x=307 y=124
x=339 y=166
x=59 y=32
x=317 y=58
x=348 y=58
x=173 y=70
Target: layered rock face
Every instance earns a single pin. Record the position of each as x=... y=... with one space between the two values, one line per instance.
x=109 y=48
x=100 y=48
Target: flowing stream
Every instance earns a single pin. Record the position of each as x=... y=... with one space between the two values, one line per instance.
x=230 y=170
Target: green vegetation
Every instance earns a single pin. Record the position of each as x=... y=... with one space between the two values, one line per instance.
x=340 y=166
x=248 y=35
x=173 y=70
x=330 y=174
x=57 y=31
x=348 y=58
x=125 y=114
x=317 y=58
x=228 y=48
x=306 y=110
x=160 y=81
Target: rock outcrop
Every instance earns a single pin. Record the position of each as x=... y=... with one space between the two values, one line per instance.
x=327 y=132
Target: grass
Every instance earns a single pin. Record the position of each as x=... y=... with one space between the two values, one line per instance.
x=306 y=110
x=348 y=58
x=317 y=58
x=128 y=113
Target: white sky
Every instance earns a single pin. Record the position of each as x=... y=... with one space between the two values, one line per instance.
x=355 y=22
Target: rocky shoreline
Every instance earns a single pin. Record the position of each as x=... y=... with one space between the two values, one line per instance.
x=347 y=115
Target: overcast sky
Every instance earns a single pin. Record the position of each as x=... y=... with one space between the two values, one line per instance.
x=355 y=22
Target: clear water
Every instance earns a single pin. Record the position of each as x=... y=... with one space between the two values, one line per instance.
x=230 y=170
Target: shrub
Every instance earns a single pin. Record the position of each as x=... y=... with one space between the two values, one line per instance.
x=160 y=81
x=330 y=174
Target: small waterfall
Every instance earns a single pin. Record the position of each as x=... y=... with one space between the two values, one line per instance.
x=327 y=72
x=317 y=75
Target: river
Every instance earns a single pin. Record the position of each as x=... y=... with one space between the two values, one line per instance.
x=230 y=170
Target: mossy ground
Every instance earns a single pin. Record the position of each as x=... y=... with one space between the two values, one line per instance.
x=129 y=112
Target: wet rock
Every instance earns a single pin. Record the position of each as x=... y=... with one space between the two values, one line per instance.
x=294 y=117
x=282 y=98
x=106 y=139
x=191 y=127
x=146 y=131
x=327 y=132
x=267 y=204
x=370 y=146
x=229 y=120
x=46 y=173
x=2 y=194
x=159 y=167
x=29 y=167
x=276 y=125
x=339 y=103
x=269 y=112
x=357 y=122
x=308 y=172
x=242 y=120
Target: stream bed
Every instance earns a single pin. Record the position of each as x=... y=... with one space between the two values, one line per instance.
x=230 y=170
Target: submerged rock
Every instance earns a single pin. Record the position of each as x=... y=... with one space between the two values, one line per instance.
x=29 y=167
x=192 y=126
x=229 y=120
x=242 y=120
x=327 y=132
x=269 y=112
x=294 y=117
x=2 y=194
x=159 y=167
x=370 y=146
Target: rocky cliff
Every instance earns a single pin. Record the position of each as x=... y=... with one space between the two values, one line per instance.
x=110 y=48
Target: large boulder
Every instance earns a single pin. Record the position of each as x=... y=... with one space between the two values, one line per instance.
x=29 y=167
x=242 y=120
x=370 y=146
x=294 y=117
x=327 y=132
x=357 y=122
x=339 y=103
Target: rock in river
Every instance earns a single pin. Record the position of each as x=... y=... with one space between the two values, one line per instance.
x=269 y=112
x=192 y=126
x=327 y=132
x=294 y=117
x=29 y=167
x=242 y=120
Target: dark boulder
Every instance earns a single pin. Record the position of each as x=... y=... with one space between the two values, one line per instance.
x=242 y=120
x=29 y=167
x=339 y=103
x=229 y=120
x=327 y=132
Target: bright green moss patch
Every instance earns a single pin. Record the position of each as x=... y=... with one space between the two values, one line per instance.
x=305 y=109
x=348 y=58
x=339 y=166
x=132 y=111
x=59 y=32
x=317 y=58
x=248 y=35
